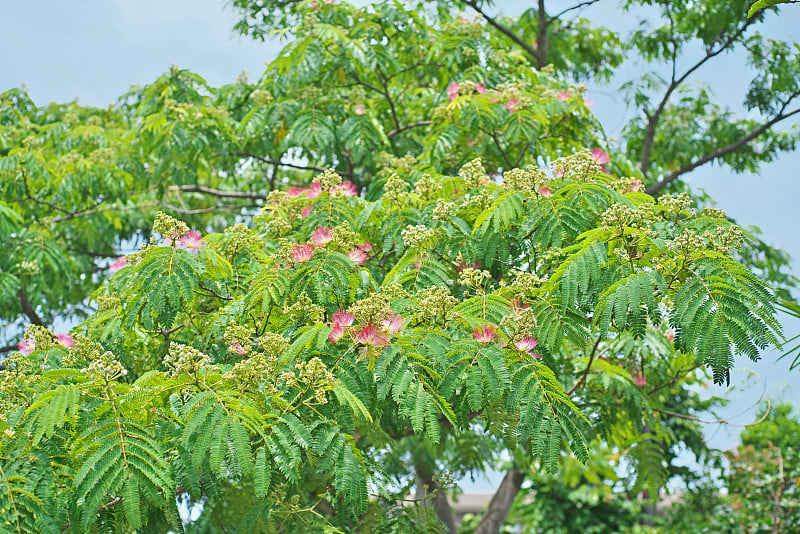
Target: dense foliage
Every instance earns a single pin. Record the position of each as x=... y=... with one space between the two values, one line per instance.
x=397 y=258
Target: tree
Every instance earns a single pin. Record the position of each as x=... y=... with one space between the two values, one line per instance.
x=399 y=311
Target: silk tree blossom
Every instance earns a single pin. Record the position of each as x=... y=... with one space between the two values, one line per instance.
x=359 y=110
x=305 y=211
x=346 y=189
x=336 y=333
x=481 y=88
x=118 y=264
x=302 y=253
x=321 y=236
x=600 y=157
x=526 y=344
x=452 y=91
x=342 y=318
x=563 y=96
x=366 y=248
x=485 y=335
x=588 y=103
x=370 y=335
x=512 y=104
x=191 y=241
x=670 y=334
x=545 y=191
x=358 y=256
x=237 y=348
x=635 y=186
x=314 y=190
x=26 y=346
x=639 y=380
x=393 y=323
x=518 y=306
x=65 y=340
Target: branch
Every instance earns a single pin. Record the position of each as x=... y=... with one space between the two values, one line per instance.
x=402 y=129
x=497 y=512
x=429 y=489
x=577 y=6
x=720 y=152
x=650 y=132
x=585 y=371
x=196 y=188
x=280 y=163
x=28 y=309
x=502 y=29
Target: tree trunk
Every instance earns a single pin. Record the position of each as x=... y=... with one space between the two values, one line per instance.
x=497 y=512
x=427 y=486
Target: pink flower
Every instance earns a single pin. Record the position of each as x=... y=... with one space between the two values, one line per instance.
x=600 y=157
x=494 y=100
x=463 y=20
x=670 y=334
x=635 y=186
x=336 y=333
x=348 y=188
x=417 y=264
x=526 y=344
x=314 y=4
x=545 y=191
x=588 y=103
x=302 y=253
x=65 y=340
x=512 y=104
x=393 y=323
x=370 y=335
x=321 y=236
x=639 y=380
x=357 y=256
x=563 y=96
x=470 y=142
x=366 y=248
x=294 y=191
x=480 y=88
x=518 y=306
x=342 y=318
x=118 y=264
x=26 y=346
x=484 y=335
x=237 y=348
x=360 y=109
x=191 y=241
x=314 y=190
x=452 y=91
x=305 y=211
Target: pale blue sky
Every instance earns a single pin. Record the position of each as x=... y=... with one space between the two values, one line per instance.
x=94 y=50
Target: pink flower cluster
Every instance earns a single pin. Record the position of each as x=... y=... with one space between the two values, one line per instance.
x=368 y=334
x=118 y=264
x=191 y=241
x=314 y=190
x=320 y=237
x=452 y=94
x=26 y=346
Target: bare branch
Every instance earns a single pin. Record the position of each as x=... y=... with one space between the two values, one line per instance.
x=281 y=163
x=28 y=309
x=402 y=129
x=502 y=29
x=720 y=152
x=196 y=188
x=577 y=6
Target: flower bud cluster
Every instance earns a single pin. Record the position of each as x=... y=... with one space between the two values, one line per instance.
x=394 y=291
x=434 y=303
x=714 y=213
x=273 y=344
x=313 y=374
x=170 y=228
x=621 y=216
x=473 y=174
x=42 y=338
x=344 y=237
x=687 y=242
x=105 y=367
x=416 y=236
x=676 y=203
x=238 y=338
x=304 y=309
x=473 y=278
x=108 y=302
x=249 y=373
x=260 y=97
x=443 y=210
x=102 y=155
x=240 y=237
x=578 y=166
x=527 y=181
x=371 y=309
x=426 y=187
x=183 y=359
x=394 y=190
x=482 y=200
x=329 y=179
x=525 y=283
x=29 y=267
x=726 y=238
